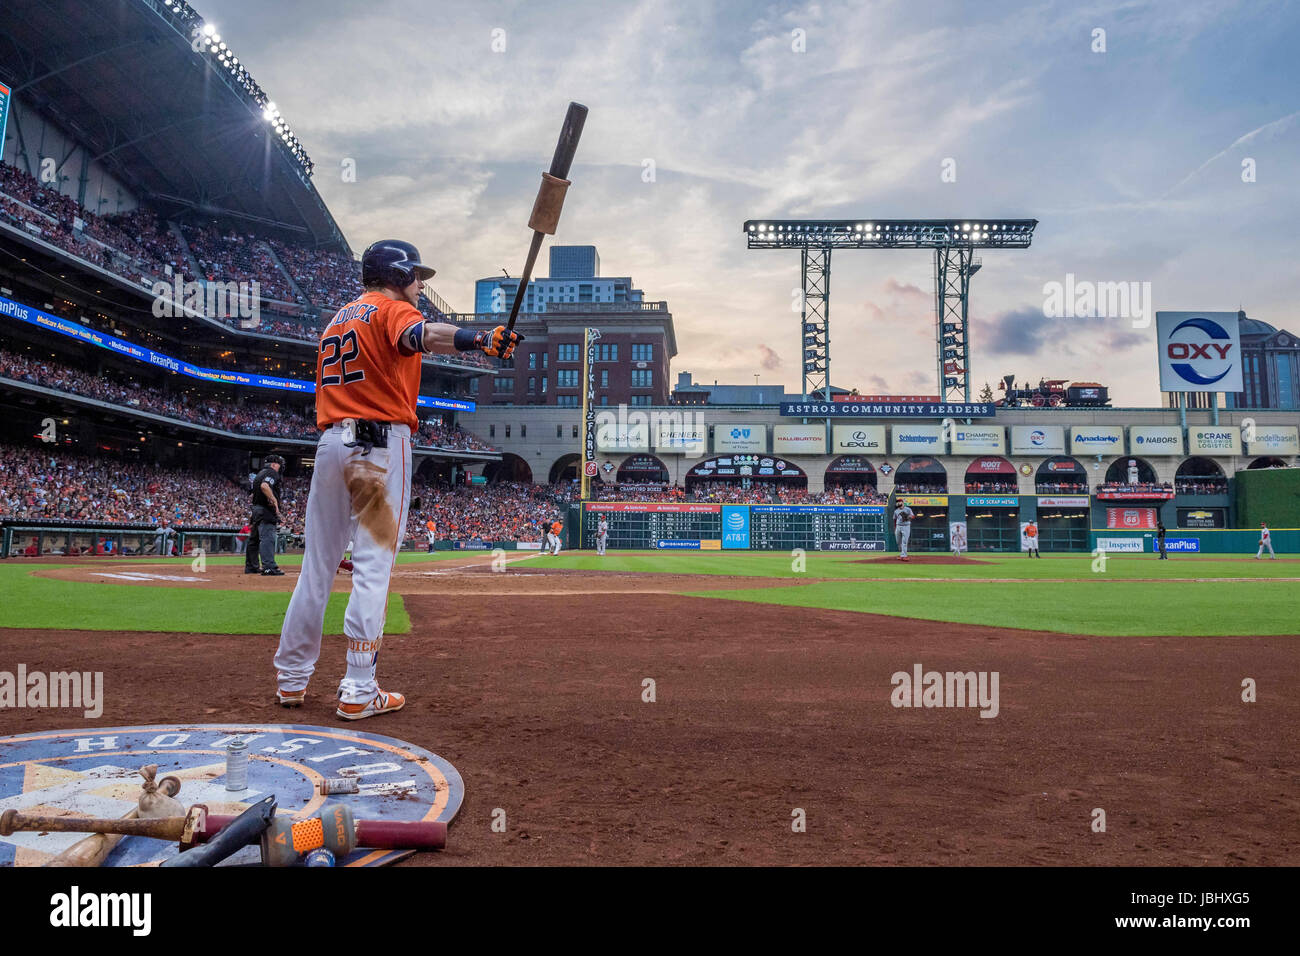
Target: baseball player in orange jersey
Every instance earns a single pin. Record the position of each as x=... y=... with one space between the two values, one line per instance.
x=367 y=384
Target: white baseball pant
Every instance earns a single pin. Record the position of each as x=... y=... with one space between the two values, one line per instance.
x=362 y=498
x=1265 y=543
x=601 y=540
x=903 y=533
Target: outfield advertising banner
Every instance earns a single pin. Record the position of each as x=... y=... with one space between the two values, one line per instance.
x=688 y=440
x=1037 y=440
x=1131 y=518
x=798 y=439
x=1273 y=440
x=622 y=436
x=917 y=440
x=1062 y=501
x=1199 y=352
x=1155 y=440
x=1185 y=545
x=739 y=438
x=735 y=526
x=1096 y=439
x=1130 y=545
x=858 y=440
x=1213 y=440
x=978 y=440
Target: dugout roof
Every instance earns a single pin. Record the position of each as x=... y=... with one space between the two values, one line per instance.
x=184 y=129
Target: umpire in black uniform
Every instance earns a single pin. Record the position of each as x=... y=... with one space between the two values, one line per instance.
x=266 y=515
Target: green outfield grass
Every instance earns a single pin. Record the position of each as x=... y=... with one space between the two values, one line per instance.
x=1057 y=593
x=74 y=605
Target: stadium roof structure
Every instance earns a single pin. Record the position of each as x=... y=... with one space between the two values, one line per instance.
x=163 y=104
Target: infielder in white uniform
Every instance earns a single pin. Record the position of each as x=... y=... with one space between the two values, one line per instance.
x=1265 y=541
x=903 y=516
x=367 y=385
x=602 y=534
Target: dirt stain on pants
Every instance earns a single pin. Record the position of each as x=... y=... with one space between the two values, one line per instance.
x=368 y=486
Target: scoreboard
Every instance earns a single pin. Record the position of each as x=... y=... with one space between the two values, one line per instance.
x=654 y=524
x=817 y=527
x=716 y=527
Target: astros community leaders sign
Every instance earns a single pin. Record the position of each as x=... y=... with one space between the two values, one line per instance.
x=890 y=409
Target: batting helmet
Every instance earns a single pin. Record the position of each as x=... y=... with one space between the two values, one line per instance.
x=393 y=262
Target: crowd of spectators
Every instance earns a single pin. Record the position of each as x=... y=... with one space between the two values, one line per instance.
x=920 y=486
x=503 y=511
x=1062 y=487
x=436 y=433
x=50 y=482
x=245 y=418
x=326 y=278
x=1201 y=486
x=134 y=244
x=224 y=255
x=999 y=487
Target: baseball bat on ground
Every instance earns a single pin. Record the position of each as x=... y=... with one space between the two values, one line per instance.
x=550 y=197
x=94 y=849
x=373 y=834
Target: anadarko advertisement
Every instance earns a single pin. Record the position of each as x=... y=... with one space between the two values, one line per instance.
x=1155 y=440
x=739 y=437
x=917 y=440
x=1037 y=440
x=1213 y=440
x=1096 y=439
x=858 y=439
x=798 y=439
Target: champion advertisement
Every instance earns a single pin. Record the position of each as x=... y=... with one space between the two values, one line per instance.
x=978 y=440
x=1199 y=352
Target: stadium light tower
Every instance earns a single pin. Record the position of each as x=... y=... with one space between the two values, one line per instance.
x=954 y=242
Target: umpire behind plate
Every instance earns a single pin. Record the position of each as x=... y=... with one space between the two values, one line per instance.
x=266 y=515
x=367 y=385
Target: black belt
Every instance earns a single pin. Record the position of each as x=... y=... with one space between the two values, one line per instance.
x=368 y=435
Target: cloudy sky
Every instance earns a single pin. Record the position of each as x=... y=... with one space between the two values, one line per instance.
x=1131 y=159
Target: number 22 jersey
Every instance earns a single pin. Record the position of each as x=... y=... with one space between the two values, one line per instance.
x=368 y=365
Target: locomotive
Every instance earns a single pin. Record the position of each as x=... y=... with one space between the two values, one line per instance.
x=1052 y=393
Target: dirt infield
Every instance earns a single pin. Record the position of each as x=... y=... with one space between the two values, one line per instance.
x=760 y=710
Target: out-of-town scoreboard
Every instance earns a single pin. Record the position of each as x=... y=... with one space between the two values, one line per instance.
x=704 y=526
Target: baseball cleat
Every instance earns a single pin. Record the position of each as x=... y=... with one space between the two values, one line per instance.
x=382 y=703
x=291 y=698
x=271 y=572
x=252 y=570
